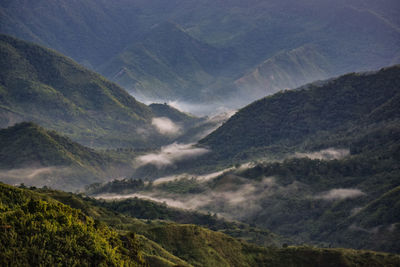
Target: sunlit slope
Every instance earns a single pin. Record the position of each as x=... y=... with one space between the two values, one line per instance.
x=39 y=230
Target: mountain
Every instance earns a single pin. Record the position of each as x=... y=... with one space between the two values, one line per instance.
x=349 y=106
x=32 y=155
x=285 y=70
x=168 y=64
x=83 y=30
x=218 y=43
x=37 y=229
x=40 y=85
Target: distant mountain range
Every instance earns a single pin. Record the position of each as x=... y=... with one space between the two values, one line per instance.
x=207 y=51
x=168 y=64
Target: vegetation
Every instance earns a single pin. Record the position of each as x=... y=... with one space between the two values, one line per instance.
x=37 y=229
x=331 y=114
x=342 y=202
x=40 y=231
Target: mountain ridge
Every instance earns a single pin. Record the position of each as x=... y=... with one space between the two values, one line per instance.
x=312 y=109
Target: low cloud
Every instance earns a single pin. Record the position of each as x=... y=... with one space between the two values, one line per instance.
x=205 y=108
x=25 y=173
x=355 y=227
x=165 y=126
x=201 y=178
x=340 y=193
x=171 y=178
x=171 y=154
x=325 y=154
x=240 y=201
x=200 y=109
x=54 y=177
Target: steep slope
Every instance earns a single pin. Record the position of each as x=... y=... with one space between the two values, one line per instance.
x=37 y=84
x=288 y=119
x=32 y=155
x=168 y=64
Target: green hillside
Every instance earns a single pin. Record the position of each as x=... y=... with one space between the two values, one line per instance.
x=32 y=155
x=40 y=230
x=37 y=230
x=329 y=115
x=39 y=85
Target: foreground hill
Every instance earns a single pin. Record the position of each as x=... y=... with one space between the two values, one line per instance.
x=37 y=230
x=32 y=155
x=40 y=230
x=316 y=114
x=40 y=85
